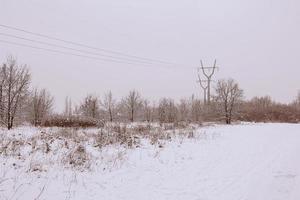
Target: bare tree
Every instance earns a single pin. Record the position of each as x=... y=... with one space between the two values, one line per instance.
x=167 y=111
x=2 y=81
x=109 y=105
x=296 y=102
x=261 y=103
x=132 y=104
x=228 y=94
x=90 y=106
x=147 y=111
x=162 y=110
x=15 y=80
x=184 y=110
x=68 y=107
x=41 y=104
x=195 y=109
x=259 y=109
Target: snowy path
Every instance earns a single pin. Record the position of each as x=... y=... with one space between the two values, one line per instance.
x=241 y=162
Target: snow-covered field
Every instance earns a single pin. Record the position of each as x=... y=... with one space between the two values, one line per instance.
x=239 y=162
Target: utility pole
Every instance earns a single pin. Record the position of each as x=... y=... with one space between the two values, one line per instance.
x=204 y=87
x=207 y=88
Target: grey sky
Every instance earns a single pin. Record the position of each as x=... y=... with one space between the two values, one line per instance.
x=255 y=42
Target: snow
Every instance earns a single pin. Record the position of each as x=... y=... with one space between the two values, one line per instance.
x=247 y=161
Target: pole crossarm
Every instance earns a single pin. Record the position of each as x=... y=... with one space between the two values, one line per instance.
x=210 y=67
x=213 y=71
x=206 y=80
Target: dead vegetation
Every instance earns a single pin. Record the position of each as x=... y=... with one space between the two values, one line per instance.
x=78 y=158
x=78 y=148
x=71 y=121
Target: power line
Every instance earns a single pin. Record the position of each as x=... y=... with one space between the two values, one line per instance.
x=67 y=53
x=83 y=45
x=73 y=49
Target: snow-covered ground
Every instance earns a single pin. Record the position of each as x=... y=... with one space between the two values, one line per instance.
x=239 y=162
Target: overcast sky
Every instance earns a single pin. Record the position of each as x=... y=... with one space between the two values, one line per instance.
x=256 y=42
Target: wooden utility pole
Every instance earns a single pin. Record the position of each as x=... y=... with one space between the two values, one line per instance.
x=207 y=89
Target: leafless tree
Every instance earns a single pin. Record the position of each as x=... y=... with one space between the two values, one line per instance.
x=196 y=106
x=147 y=111
x=76 y=111
x=297 y=101
x=109 y=105
x=184 y=110
x=228 y=94
x=162 y=110
x=41 y=103
x=68 y=112
x=15 y=80
x=167 y=111
x=264 y=109
x=132 y=104
x=261 y=103
x=90 y=106
x=2 y=98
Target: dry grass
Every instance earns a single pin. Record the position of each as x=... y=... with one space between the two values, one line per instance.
x=74 y=148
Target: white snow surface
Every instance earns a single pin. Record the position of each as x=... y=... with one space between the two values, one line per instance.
x=238 y=162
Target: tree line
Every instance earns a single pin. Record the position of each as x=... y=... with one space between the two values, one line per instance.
x=19 y=103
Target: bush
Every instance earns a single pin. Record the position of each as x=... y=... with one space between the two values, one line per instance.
x=273 y=112
x=78 y=158
x=74 y=121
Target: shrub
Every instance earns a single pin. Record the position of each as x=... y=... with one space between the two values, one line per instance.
x=79 y=158
x=73 y=121
x=270 y=112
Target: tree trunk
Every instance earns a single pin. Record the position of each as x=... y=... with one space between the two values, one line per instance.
x=110 y=115
x=132 y=112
